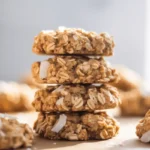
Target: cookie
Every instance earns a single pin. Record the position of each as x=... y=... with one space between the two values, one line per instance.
x=131 y=103
x=135 y=102
x=73 y=69
x=73 y=41
x=128 y=79
x=15 y=97
x=143 y=128
x=66 y=98
x=76 y=126
x=14 y=134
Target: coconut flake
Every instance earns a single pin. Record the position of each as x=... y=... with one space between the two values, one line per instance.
x=145 y=137
x=60 y=123
x=43 y=69
x=60 y=101
x=100 y=84
x=93 y=57
x=59 y=89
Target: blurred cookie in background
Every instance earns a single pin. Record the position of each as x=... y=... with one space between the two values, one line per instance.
x=134 y=92
x=129 y=79
x=28 y=79
x=14 y=134
x=134 y=103
x=15 y=97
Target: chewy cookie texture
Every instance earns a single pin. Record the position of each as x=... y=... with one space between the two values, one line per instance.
x=143 y=128
x=76 y=126
x=76 y=98
x=14 y=134
x=73 y=41
x=73 y=69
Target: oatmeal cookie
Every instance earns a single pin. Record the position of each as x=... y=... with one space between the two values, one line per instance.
x=14 y=134
x=76 y=98
x=76 y=126
x=128 y=79
x=135 y=102
x=73 y=41
x=143 y=128
x=73 y=69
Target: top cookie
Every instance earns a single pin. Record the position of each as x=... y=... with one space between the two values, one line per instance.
x=73 y=41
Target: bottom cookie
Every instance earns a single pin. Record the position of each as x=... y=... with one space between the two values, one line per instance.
x=143 y=128
x=76 y=126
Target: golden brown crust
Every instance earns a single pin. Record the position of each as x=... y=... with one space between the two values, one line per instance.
x=81 y=126
x=73 y=41
x=74 y=69
x=76 y=98
x=14 y=134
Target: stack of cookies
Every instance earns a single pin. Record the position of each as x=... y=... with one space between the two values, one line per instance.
x=73 y=108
